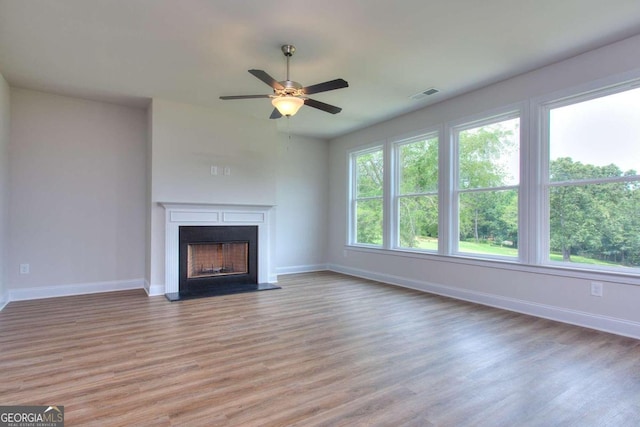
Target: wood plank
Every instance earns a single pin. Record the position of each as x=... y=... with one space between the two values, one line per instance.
x=326 y=350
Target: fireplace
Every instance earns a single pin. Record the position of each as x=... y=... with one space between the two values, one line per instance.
x=217 y=258
x=202 y=216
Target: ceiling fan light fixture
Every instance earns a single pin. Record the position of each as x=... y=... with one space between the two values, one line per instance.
x=287 y=105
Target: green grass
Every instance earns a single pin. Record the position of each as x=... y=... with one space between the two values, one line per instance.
x=428 y=243
x=487 y=249
x=575 y=259
x=431 y=244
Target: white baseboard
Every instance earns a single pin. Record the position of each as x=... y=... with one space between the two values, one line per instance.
x=22 y=294
x=300 y=269
x=4 y=295
x=574 y=317
x=153 y=290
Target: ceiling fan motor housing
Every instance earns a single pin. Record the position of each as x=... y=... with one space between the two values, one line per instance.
x=291 y=88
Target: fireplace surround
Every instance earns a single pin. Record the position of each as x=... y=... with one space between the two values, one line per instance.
x=179 y=215
x=211 y=257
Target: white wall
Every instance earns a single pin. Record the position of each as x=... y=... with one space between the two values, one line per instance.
x=149 y=207
x=4 y=187
x=537 y=291
x=77 y=194
x=186 y=141
x=303 y=192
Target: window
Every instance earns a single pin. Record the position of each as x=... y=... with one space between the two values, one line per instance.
x=592 y=185
x=460 y=191
x=486 y=187
x=367 y=197
x=417 y=193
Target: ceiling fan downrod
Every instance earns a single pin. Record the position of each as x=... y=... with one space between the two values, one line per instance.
x=288 y=50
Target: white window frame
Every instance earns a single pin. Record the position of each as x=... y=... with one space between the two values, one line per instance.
x=395 y=193
x=533 y=227
x=352 y=200
x=544 y=107
x=511 y=112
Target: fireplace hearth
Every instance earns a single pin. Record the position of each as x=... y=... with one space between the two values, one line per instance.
x=217 y=260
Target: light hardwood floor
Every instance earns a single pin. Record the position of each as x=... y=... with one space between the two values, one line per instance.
x=326 y=350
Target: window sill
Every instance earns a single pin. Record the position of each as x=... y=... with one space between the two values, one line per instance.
x=574 y=272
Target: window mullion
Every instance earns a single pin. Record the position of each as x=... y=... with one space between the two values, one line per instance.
x=529 y=192
x=389 y=210
x=448 y=169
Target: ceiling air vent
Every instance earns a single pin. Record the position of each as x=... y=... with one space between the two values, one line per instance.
x=423 y=94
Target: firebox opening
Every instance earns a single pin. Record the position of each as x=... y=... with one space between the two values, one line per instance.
x=214 y=258
x=217 y=259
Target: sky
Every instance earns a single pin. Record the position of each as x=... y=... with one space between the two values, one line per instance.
x=600 y=131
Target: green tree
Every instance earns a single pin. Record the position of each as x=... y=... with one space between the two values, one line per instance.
x=630 y=212
x=487 y=214
x=369 y=189
x=418 y=186
x=596 y=221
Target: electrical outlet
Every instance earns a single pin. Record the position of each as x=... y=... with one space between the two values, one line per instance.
x=214 y=170
x=24 y=268
x=596 y=289
x=226 y=171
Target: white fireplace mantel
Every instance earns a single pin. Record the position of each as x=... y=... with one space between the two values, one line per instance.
x=194 y=214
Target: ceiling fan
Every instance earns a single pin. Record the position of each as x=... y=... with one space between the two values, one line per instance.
x=288 y=96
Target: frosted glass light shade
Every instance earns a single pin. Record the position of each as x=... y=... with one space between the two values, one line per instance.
x=287 y=105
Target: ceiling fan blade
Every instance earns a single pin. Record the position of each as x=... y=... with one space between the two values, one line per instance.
x=322 y=106
x=245 y=96
x=275 y=114
x=262 y=75
x=326 y=86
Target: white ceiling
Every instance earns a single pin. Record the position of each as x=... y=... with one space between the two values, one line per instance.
x=194 y=51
